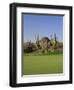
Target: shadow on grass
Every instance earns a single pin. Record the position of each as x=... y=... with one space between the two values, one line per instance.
x=40 y=53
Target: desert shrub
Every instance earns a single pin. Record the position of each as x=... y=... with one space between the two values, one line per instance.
x=29 y=47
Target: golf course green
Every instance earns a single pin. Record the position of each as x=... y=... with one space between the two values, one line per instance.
x=42 y=64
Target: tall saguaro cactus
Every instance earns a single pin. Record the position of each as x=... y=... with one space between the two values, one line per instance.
x=55 y=41
x=37 y=41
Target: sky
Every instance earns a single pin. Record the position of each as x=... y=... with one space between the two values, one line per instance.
x=42 y=25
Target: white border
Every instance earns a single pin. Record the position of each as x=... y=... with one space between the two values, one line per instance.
x=48 y=77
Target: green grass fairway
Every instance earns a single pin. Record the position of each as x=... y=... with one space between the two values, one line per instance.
x=44 y=64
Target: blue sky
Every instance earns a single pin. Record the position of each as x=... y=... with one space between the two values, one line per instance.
x=44 y=25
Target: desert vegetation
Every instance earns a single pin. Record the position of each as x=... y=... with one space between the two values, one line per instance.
x=43 y=45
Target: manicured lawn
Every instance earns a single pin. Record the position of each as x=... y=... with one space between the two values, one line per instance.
x=44 y=64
